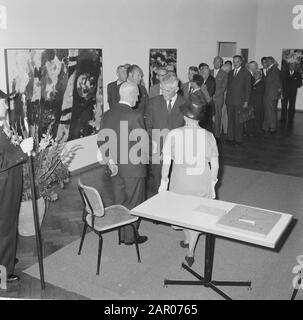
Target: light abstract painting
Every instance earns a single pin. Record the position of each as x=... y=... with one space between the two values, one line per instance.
x=59 y=86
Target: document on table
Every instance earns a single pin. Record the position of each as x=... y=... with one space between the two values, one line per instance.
x=257 y=221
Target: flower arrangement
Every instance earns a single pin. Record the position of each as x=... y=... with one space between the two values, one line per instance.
x=50 y=161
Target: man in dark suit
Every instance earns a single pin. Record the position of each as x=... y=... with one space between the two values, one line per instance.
x=11 y=159
x=135 y=75
x=237 y=97
x=273 y=89
x=264 y=66
x=162 y=113
x=186 y=87
x=208 y=88
x=254 y=126
x=113 y=87
x=155 y=90
x=218 y=98
x=291 y=81
x=128 y=174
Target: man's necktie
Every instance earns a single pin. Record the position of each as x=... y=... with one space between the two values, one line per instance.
x=236 y=71
x=169 y=106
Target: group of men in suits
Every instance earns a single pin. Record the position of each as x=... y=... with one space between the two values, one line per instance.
x=237 y=89
x=160 y=114
x=270 y=85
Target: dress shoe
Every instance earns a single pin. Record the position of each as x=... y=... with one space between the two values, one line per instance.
x=190 y=260
x=140 y=239
x=12 y=278
x=184 y=244
x=16 y=260
x=273 y=132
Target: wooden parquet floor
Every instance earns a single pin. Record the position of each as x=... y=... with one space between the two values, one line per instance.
x=282 y=153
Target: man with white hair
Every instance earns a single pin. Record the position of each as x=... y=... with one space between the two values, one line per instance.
x=128 y=177
x=252 y=67
x=162 y=113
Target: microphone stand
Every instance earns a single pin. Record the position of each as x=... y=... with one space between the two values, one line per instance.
x=35 y=210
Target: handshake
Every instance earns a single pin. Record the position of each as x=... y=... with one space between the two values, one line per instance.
x=27 y=145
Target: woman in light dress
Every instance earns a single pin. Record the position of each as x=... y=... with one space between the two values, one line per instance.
x=196 y=178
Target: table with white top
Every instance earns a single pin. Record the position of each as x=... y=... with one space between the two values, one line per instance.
x=185 y=211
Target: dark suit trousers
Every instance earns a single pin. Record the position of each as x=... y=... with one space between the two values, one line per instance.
x=129 y=192
x=154 y=179
x=235 y=128
x=290 y=102
x=270 y=114
x=218 y=117
x=10 y=197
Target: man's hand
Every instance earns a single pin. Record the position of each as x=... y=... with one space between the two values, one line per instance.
x=113 y=168
x=154 y=146
x=163 y=185
x=27 y=145
x=213 y=184
x=245 y=105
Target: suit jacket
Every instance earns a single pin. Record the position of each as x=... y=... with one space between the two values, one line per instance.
x=185 y=87
x=154 y=90
x=221 y=84
x=142 y=102
x=211 y=85
x=291 y=83
x=113 y=96
x=257 y=93
x=238 y=87
x=157 y=116
x=273 y=83
x=112 y=120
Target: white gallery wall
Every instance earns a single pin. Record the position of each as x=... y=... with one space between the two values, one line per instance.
x=126 y=29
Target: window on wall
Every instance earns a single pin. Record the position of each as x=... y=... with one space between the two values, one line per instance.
x=227 y=50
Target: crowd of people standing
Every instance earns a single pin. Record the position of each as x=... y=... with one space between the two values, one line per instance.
x=226 y=102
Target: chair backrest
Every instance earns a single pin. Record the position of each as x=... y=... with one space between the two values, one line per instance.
x=91 y=199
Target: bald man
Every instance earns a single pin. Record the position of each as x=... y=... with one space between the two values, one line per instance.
x=128 y=178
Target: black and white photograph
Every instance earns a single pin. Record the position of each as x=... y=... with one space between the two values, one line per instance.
x=161 y=58
x=151 y=153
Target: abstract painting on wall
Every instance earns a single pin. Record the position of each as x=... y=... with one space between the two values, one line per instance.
x=161 y=58
x=292 y=56
x=62 y=87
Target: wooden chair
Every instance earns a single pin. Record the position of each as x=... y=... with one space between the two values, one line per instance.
x=101 y=219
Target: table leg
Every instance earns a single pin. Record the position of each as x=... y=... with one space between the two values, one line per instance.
x=207 y=281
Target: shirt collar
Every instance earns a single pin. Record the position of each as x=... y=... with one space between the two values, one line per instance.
x=270 y=66
x=173 y=99
x=125 y=102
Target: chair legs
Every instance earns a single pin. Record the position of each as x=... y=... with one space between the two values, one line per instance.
x=136 y=242
x=82 y=237
x=119 y=237
x=99 y=253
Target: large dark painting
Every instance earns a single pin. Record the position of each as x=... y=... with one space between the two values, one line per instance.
x=160 y=58
x=59 y=86
x=292 y=56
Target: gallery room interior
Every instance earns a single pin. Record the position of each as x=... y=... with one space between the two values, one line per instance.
x=84 y=83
